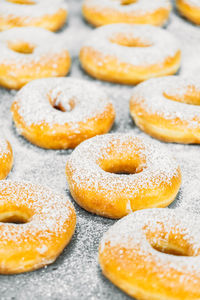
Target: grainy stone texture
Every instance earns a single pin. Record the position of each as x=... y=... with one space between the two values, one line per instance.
x=76 y=274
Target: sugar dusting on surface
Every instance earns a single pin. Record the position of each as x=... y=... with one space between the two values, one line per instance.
x=30 y=12
x=89 y=101
x=162 y=44
x=141 y=7
x=49 y=211
x=150 y=95
x=84 y=163
x=45 y=43
x=76 y=273
x=131 y=233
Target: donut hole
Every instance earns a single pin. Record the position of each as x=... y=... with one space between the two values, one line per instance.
x=192 y=96
x=15 y=217
x=171 y=243
x=21 y=47
x=64 y=105
x=122 y=166
x=129 y=41
x=24 y=2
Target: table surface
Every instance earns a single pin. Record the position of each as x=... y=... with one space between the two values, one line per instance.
x=76 y=273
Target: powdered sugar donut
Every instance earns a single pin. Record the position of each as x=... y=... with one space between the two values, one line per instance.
x=105 y=12
x=168 y=108
x=46 y=224
x=31 y=53
x=6 y=158
x=130 y=53
x=189 y=9
x=154 y=254
x=59 y=113
x=94 y=173
x=48 y=14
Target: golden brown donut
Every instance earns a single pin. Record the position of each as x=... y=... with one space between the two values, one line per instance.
x=168 y=109
x=29 y=53
x=94 y=174
x=48 y=14
x=60 y=113
x=130 y=54
x=6 y=158
x=190 y=9
x=45 y=224
x=154 y=254
x=154 y=12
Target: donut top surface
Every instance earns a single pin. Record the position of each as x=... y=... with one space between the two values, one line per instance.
x=79 y=101
x=146 y=44
x=36 y=8
x=152 y=165
x=47 y=212
x=38 y=41
x=171 y=97
x=144 y=230
x=139 y=6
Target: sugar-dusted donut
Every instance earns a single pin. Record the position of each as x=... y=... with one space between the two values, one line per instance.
x=168 y=109
x=94 y=174
x=59 y=113
x=46 y=225
x=29 y=53
x=129 y=54
x=6 y=158
x=190 y=9
x=48 y=14
x=154 y=254
x=105 y=12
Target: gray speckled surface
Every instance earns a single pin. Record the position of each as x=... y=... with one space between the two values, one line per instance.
x=76 y=274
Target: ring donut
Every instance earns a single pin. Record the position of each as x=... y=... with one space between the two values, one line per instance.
x=154 y=254
x=59 y=113
x=130 y=54
x=6 y=158
x=94 y=175
x=105 y=12
x=168 y=109
x=48 y=14
x=46 y=222
x=190 y=9
x=31 y=53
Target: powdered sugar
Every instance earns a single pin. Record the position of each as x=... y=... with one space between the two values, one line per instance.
x=150 y=95
x=86 y=161
x=140 y=7
x=45 y=44
x=87 y=100
x=49 y=211
x=31 y=11
x=3 y=147
x=195 y=3
x=131 y=232
x=161 y=44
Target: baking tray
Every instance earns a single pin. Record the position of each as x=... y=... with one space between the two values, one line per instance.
x=76 y=273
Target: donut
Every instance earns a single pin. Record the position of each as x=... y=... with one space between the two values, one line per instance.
x=105 y=12
x=190 y=9
x=59 y=113
x=6 y=158
x=48 y=14
x=130 y=54
x=154 y=254
x=168 y=109
x=112 y=175
x=29 y=53
x=36 y=225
